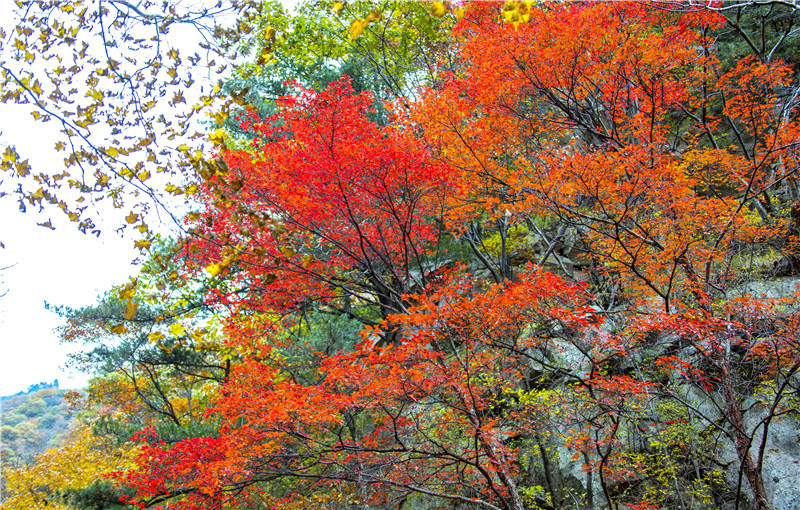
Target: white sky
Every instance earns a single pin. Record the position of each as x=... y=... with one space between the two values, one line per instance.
x=62 y=267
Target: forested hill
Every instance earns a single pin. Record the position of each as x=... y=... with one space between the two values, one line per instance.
x=33 y=421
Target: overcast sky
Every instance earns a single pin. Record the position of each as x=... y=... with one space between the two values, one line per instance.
x=62 y=267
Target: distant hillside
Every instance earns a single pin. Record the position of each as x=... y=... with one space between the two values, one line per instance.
x=33 y=421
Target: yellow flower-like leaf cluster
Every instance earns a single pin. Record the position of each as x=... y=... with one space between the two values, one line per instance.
x=517 y=12
x=81 y=460
x=358 y=25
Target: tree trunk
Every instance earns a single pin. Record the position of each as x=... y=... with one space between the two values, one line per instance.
x=742 y=438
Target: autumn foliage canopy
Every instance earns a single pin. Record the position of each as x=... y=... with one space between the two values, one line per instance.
x=526 y=283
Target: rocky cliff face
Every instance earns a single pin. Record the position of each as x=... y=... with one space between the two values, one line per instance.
x=691 y=454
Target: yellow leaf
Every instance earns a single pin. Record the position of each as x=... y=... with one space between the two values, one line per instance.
x=143 y=244
x=118 y=329
x=155 y=337
x=217 y=137
x=356 y=28
x=95 y=94
x=220 y=116
x=177 y=329
x=214 y=269
x=338 y=7
x=308 y=260
x=131 y=218
x=438 y=9
x=130 y=309
x=128 y=291
x=23 y=168
x=10 y=155
x=264 y=58
x=112 y=151
x=183 y=147
x=47 y=224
